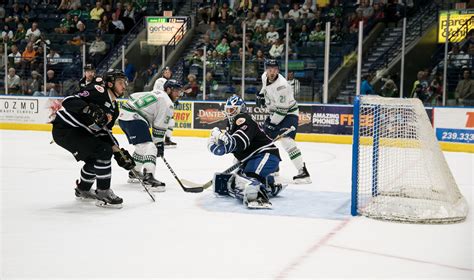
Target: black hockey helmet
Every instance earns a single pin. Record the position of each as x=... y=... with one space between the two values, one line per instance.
x=173 y=84
x=89 y=66
x=113 y=74
x=271 y=63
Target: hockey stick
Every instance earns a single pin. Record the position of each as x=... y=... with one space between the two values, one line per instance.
x=133 y=170
x=195 y=189
x=236 y=165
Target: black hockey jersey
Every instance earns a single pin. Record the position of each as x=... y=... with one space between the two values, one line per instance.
x=96 y=81
x=249 y=137
x=71 y=114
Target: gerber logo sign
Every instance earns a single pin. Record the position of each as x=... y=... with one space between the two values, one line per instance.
x=209 y=115
x=160 y=30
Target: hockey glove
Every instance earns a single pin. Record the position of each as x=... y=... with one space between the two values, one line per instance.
x=98 y=116
x=260 y=100
x=124 y=159
x=270 y=128
x=160 y=149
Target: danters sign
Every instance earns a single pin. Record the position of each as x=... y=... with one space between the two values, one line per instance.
x=457 y=19
x=160 y=30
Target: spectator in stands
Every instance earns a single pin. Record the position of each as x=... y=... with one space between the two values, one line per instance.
x=130 y=71
x=97 y=50
x=262 y=21
x=420 y=86
x=294 y=14
x=394 y=11
x=272 y=35
x=366 y=10
x=65 y=5
x=79 y=36
x=2 y=57
x=14 y=58
x=2 y=13
x=66 y=25
x=244 y=7
x=365 y=86
x=436 y=89
x=118 y=10
x=317 y=35
x=294 y=83
x=39 y=61
x=260 y=56
x=107 y=11
x=97 y=11
x=104 y=24
x=192 y=87
x=379 y=15
x=16 y=13
x=19 y=35
x=28 y=58
x=211 y=86
x=225 y=14
x=14 y=82
x=28 y=13
x=129 y=16
x=53 y=59
x=464 y=92
x=335 y=9
x=277 y=49
x=7 y=34
x=251 y=20
x=33 y=33
x=222 y=47
x=271 y=13
x=206 y=41
x=52 y=86
x=389 y=88
x=311 y=5
x=33 y=84
x=277 y=21
x=214 y=32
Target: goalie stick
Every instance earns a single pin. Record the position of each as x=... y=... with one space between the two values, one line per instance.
x=193 y=185
x=133 y=171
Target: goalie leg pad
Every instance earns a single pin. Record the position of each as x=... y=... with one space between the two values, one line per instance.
x=250 y=190
x=220 y=183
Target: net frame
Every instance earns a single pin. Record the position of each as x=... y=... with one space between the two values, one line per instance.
x=398 y=170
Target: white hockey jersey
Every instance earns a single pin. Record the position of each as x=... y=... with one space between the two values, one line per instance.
x=279 y=98
x=159 y=83
x=155 y=108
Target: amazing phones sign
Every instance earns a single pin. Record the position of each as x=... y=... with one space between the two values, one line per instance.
x=160 y=30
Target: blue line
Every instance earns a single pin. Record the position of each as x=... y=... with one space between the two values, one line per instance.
x=355 y=155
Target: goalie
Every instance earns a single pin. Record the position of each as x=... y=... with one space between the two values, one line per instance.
x=253 y=181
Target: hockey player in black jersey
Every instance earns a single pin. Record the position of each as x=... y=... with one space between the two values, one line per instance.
x=260 y=158
x=80 y=127
x=89 y=77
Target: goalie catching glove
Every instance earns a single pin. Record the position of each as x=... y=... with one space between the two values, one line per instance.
x=221 y=143
x=124 y=159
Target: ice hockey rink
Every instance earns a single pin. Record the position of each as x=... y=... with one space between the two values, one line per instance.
x=46 y=233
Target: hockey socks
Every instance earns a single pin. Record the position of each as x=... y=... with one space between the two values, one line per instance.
x=295 y=154
x=145 y=157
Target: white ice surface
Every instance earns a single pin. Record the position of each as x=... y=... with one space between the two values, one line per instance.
x=46 y=233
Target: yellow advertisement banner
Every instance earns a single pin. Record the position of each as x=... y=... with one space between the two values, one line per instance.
x=456 y=21
x=183 y=115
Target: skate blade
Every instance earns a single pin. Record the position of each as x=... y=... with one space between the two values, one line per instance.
x=259 y=205
x=170 y=146
x=133 y=181
x=156 y=189
x=85 y=199
x=103 y=204
x=302 y=181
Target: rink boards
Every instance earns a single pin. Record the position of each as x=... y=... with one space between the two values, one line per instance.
x=454 y=126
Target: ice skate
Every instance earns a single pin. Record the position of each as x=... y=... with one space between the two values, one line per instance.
x=132 y=178
x=152 y=184
x=169 y=144
x=302 y=177
x=108 y=199
x=82 y=194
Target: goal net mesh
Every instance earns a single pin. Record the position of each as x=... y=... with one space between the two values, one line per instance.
x=402 y=174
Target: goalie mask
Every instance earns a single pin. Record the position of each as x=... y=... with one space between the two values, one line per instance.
x=234 y=106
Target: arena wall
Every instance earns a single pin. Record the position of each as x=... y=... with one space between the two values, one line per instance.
x=454 y=126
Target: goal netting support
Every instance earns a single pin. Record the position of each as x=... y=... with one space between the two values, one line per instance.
x=398 y=170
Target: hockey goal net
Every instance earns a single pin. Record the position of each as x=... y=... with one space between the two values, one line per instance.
x=398 y=170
